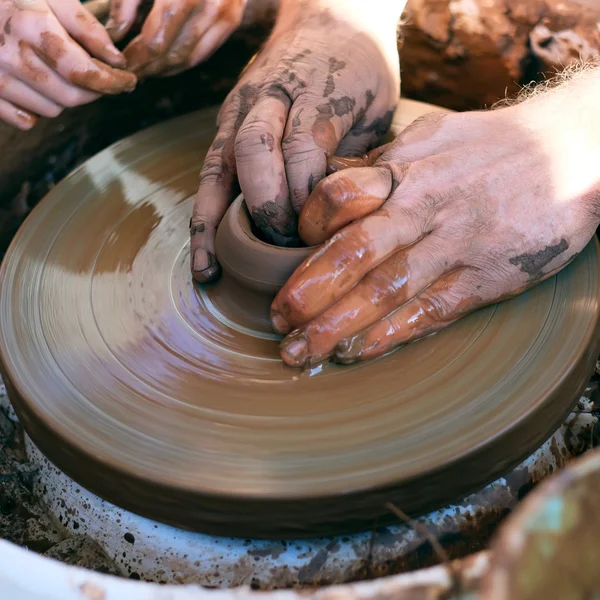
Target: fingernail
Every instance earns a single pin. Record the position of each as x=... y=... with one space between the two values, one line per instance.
x=202 y=260
x=339 y=163
x=280 y=325
x=205 y=267
x=295 y=349
x=349 y=350
x=27 y=119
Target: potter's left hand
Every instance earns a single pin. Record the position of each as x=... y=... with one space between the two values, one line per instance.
x=468 y=209
x=326 y=82
x=176 y=35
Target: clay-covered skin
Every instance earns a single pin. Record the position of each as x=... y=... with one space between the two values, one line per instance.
x=326 y=83
x=54 y=54
x=176 y=35
x=442 y=223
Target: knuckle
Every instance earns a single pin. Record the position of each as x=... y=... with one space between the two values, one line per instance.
x=333 y=190
x=439 y=308
x=201 y=224
x=253 y=137
x=300 y=144
x=214 y=169
x=397 y=168
x=231 y=105
x=382 y=288
x=427 y=121
x=292 y=304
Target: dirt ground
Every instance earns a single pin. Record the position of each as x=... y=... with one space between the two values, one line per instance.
x=25 y=521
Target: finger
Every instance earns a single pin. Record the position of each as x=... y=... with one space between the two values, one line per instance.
x=339 y=163
x=205 y=48
x=311 y=136
x=165 y=22
x=122 y=17
x=86 y=29
x=214 y=38
x=20 y=94
x=137 y=55
x=380 y=292
x=162 y=26
x=34 y=72
x=15 y=116
x=217 y=188
x=450 y=298
x=342 y=262
x=340 y=199
x=178 y=56
x=62 y=54
x=261 y=170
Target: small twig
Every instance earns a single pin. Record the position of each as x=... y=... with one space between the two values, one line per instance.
x=370 y=551
x=456 y=584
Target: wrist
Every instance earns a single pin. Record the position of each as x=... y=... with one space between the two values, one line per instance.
x=379 y=16
x=565 y=121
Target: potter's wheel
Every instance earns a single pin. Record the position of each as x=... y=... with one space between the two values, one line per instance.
x=145 y=389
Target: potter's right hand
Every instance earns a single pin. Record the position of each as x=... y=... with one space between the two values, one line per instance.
x=46 y=60
x=326 y=83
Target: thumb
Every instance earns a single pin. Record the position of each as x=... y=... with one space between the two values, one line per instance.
x=342 y=198
x=217 y=188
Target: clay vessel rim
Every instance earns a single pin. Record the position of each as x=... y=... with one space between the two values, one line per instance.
x=242 y=221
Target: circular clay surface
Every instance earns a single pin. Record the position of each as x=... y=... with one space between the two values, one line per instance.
x=145 y=389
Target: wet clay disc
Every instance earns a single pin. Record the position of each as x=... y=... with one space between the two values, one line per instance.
x=131 y=380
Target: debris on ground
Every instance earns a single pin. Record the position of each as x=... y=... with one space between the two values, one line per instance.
x=26 y=521
x=82 y=551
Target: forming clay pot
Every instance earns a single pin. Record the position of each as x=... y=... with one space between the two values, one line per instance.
x=170 y=399
x=253 y=271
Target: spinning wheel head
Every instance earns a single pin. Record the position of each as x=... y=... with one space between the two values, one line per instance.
x=169 y=399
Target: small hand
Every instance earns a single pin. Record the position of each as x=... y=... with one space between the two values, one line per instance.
x=459 y=212
x=320 y=86
x=177 y=34
x=54 y=54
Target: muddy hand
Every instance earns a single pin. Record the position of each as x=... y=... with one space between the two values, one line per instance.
x=462 y=210
x=54 y=54
x=326 y=82
x=177 y=34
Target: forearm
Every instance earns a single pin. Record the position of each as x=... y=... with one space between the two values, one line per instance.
x=381 y=17
x=567 y=114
